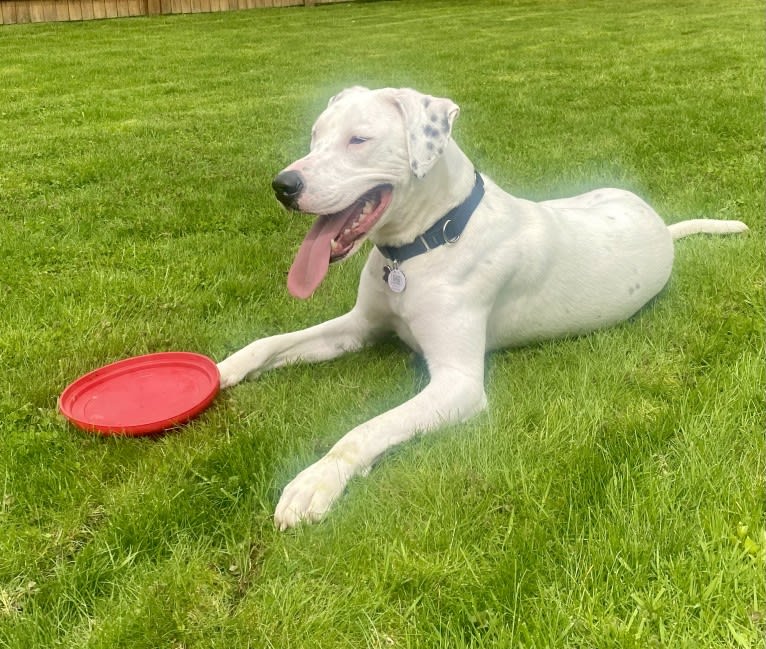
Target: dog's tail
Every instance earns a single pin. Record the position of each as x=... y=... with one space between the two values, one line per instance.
x=705 y=226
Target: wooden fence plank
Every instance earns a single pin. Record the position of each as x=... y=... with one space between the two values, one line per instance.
x=87 y=10
x=36 y=13
x=22 y=12
x=75 y=10
x=7 y=13
x=99 y=9
x=49 y=11
x=62 y=11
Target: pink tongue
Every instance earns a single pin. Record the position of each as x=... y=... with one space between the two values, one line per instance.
x=313 y=258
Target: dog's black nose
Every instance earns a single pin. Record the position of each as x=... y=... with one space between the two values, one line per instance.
x=288 y=186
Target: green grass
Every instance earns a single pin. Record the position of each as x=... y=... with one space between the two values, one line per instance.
x=612 y=495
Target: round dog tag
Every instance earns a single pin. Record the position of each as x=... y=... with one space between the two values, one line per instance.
x=396 y=280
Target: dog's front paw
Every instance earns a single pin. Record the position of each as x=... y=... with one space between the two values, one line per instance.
x=313 y=491
x=231 y=372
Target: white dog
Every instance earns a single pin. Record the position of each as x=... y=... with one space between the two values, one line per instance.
x=458 y=267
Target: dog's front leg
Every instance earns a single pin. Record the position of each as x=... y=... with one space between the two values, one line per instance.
x=325 y=341
x=452 y=395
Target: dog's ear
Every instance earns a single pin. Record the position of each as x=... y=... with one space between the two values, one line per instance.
x=428 y=121
x=347 y=91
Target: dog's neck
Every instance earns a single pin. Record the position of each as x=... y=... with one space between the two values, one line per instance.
x=423 y=201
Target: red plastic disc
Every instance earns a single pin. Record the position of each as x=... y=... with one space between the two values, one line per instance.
x=142 y=395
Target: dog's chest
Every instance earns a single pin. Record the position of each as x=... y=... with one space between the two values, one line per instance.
x=405 y=333
x=426 y=309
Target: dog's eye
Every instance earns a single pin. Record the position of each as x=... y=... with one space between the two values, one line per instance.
x=358 y=139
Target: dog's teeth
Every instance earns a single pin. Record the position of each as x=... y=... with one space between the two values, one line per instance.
x=367 y=208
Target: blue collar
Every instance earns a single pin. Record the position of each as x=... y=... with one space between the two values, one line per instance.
x=446 y=230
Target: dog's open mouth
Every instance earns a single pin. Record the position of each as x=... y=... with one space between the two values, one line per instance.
x=334 y=237
x=357 y=221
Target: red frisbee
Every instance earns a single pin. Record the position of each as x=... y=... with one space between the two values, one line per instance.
x=141 y=395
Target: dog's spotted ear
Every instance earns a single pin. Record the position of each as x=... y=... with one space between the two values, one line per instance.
x=347 y=91
x=428 y=121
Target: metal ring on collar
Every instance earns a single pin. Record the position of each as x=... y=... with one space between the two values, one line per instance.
x=449 y=242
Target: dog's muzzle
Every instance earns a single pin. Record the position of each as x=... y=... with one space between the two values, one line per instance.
x=288 y=186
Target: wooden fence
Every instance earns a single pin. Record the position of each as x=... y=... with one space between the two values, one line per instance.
x=38 y=11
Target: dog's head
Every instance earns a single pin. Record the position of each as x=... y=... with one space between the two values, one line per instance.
x=367 y=148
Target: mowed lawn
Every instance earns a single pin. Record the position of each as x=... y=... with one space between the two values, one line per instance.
x=613 y=493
